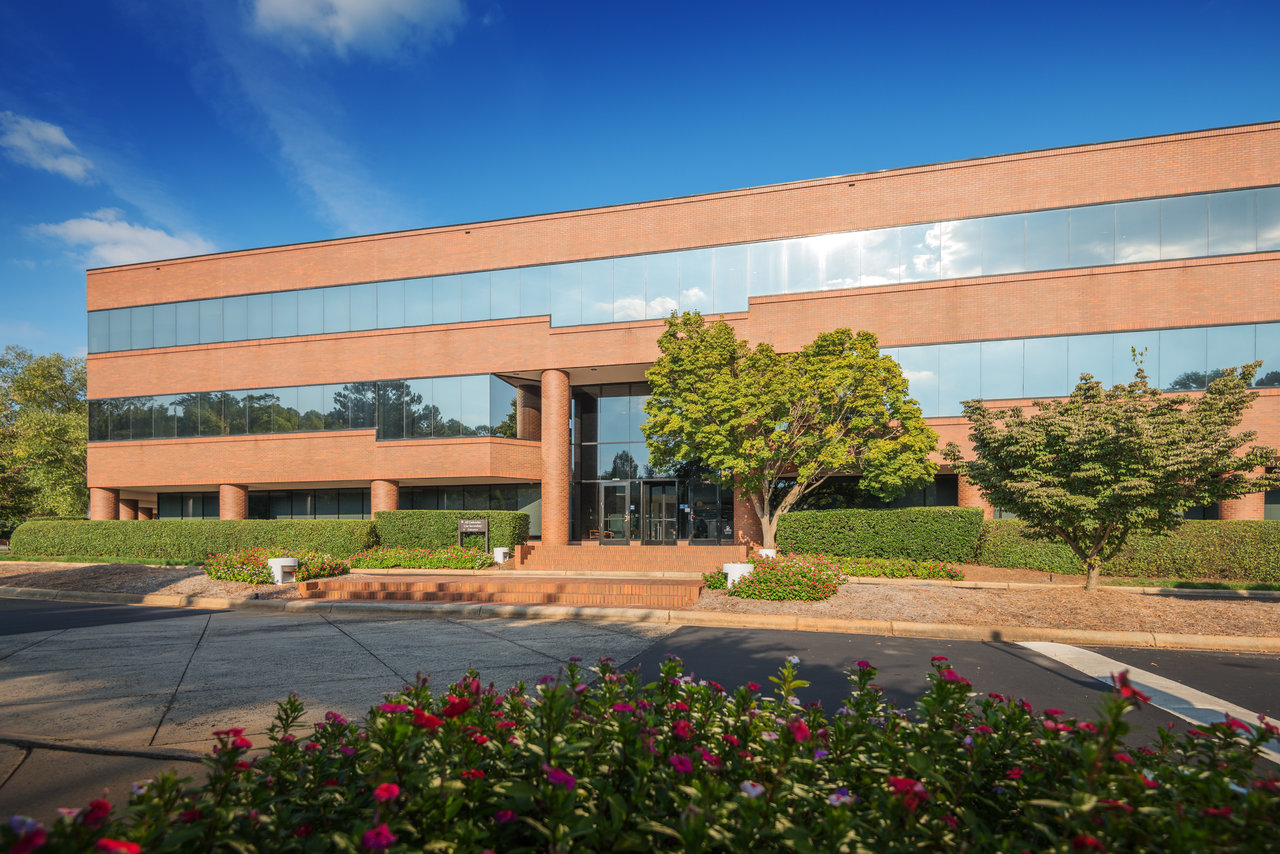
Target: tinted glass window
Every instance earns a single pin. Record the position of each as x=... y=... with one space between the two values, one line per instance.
x=534 y=299
x=364 y=306
x=259 y=320
x=119 y=422
x=337 y=407
x=803 y=265
x=502 y=408
x=1093 y=236
x=1233 y=225
x=614 y=417
x=418 y=295
x=1001 y=369
x=1137 y=232
x=99 y=332
x=1147 y=346
x=212 y=420
x=959 y=376
x=565 y=283
x=259 y=405
x=1228 y=347
x=210 y=321
x=99 y=420
x=391 y=410
x=695 y=280
x=1182 y=359
x=311 y=311
x=284 y=314
x=390 y=299
x=474 y=392
x=311 y=407
x=767 y=270
x=504 y=293
x=420 y=414
x=918 y=251
x=842 y=262
x=188 y=410
x=662 y=284
x=337 y=310
x=235 y=319
x=284 y=410
x=1184 y=227
x=1268 y=352
x=140 y=327
x=628 y=289
x=962 y=248
x=474 y=294
x=1004 y=244
x=1269 y=219
x=1046 y=235
x=363 y=404
x=920 y=367
x=597 y=291
x=447 y=395
x=234 y=413
x=164 y=416
x=326 y=506
x=446 y=299
x=880 y=257
x=1090 y=354
x=729 y=279
x=1045 y=371
x=121 y=338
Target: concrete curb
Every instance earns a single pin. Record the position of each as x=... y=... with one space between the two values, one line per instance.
x=711 y=619
x=68 y=745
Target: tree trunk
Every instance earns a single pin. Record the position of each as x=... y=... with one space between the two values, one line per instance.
x=1094 y=567
x=768 y=530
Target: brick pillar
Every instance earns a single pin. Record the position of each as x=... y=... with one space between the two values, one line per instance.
x=146 y=513
x=747 y=530
x=384 y=495
x=233 y=501
x=1251 y=507
x=557 y=466
x=970 y=496
x=104 y=503
x=529 y=412
x=129 y=508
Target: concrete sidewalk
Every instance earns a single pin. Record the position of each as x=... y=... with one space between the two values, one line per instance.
x=126 y=698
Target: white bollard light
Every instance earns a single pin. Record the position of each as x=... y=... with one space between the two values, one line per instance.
x=734 y=572
x=283 y=569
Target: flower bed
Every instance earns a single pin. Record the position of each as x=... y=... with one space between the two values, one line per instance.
x=813 y=577
x=251 y=567
x=452 y=557
x=681 y=765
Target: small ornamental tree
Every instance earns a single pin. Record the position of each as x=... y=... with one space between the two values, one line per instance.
x=1102 y=464
x=760 y=419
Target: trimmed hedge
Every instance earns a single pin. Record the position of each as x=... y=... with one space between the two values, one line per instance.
x=191 y=540
x=437 y=529
x=920 y=533
x=1236 y=551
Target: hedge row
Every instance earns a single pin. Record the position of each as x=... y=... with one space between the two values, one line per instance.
x=190 y=541
x=1240 y=551
x=920 y=533
x=437 y=529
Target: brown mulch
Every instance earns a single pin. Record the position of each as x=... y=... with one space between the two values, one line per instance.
x=1066 y=605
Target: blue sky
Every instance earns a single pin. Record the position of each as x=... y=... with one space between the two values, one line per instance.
x=133 y=130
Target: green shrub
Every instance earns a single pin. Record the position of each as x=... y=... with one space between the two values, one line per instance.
x=876 y=567
x=437 y=529
x=920 y=533
x=789 y=577
x=251 y=567
x=453 y=557
x=190 y=540
x=1236 y=551
x=624 y=763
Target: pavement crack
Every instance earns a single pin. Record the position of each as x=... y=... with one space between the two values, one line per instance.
x=26 y=754
x=33 y=643
x=173 y=696
x=372 y=654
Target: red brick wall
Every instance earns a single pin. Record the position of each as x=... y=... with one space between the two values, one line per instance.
x=384 y=495
x=104 y=503
x=556 y=465
x=233 y=501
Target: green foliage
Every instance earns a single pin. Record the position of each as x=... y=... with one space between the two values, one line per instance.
x=251 y=567
x=452 y=557
x=44 y=432
x=920 y=533
x=789 y=577
x=1103 y=464
x=190 y=540
x=1234 y=551
x=875 y=567
x=621 y=763
x=436 y=529
x=758 y=417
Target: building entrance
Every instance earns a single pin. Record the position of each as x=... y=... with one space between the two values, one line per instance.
x=656 y=512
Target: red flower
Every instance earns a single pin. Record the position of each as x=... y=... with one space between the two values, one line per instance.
x=117 y=845
x=241 y=742
x=302 y=831
x=30 y=841
x=1084 y=841
x=379 y=838
x=1053 y=713
x=1014 y=773
x=386 y=792
x=912 y=792
x=1123 y=757
x=97 y=812
x=730 y=739
x=1238 y=724
x=1121 y=681
x=456 y=706
x=423 y=719
x=506 y=725
x=188 y=816
x=1221 y=812
x=392 y=708
x=950 y=675
x=682 y=729
x=938 y=658
x=799 y=730
x=504 y=816
x=480 y=739
x=753 y=687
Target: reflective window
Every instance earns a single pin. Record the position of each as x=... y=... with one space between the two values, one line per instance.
x=390 y=300
x=1268 y=352
x=473 y=296
x=662 y=285
x=337 y=407
x=1233 y=224
x=535 y=300
x=446 y=299
x=1045 y=370
x=284 y=314
x=1046 y=236
x=121 y=337
x=210 y=321
x=140 y=327
x=284 y=410
x=418 y=295
x=212 y=420
x=918 y=251
x=768 y=272
x=187 y=407
x=614 y=415
x=1137 y=232
x=962 y=249
x=629 y=288
x=235 y=319
x=802 y=264
x=235 y=413
x=1089 y=354
x=1269 y=219
x=259 y=406
x=597 y=291
x=959 y=375
x=504 y=293
x=565 y=284
x=311 y=310
x=880 y=257
x=729 y=279
x=1184 y=227
x=364 y=307
x=1092 y=236
x=1004 y=244
x=920 y=367
x=447 y=397
x=311 y=407
x=1228 y=347
x=841 y=262
x=695 y=280
x=1001 y=369
x=420 y=409
x=391 y=409
x=1182 y=360
x=502 y=408
x=99 y=331
x=336 y=310
x=1128 y=349
x=474 y=404
x=259 y=320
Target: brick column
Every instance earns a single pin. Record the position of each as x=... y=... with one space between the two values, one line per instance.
x=970 y=496
x=233 y=501
x=529 y=412
x=129 y=508
x=747 y=529
x=104 y=503
x=557 y=466
x=146 y=514
x=384 y=495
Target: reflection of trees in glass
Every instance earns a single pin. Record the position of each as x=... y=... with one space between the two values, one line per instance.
x=1271 y=379
x=353 y=406
x=624 y=466
x=507 y=427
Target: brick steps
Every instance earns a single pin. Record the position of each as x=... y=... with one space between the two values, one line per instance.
x=630 y=560
x=512 y=590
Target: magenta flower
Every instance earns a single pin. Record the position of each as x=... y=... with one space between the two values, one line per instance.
x=939 y=658
x=556 y=777
x=863 y=665
x=379 y=838
x=623 y=707
x=386 y=792
x=504 y=816
x=682 y=729
x=682 y=764
x=799 y=730
x=392 y=708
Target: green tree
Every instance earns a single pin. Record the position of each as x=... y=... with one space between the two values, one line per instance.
x=760 y=418
x=1102 y=464
x=44 y=426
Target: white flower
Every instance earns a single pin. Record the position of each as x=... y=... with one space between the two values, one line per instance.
x=794 y=659
x=751 y=789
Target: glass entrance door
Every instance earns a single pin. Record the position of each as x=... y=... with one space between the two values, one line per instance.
x=704 y=513
x=661 y=525
x=617 y=513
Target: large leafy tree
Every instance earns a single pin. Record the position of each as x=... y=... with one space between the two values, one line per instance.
x=43 y=434
x=1102 y=464
x=776 y=425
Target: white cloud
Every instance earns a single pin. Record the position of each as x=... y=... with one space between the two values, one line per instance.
x=41 y=145
x=110 y=240
x=368 y=26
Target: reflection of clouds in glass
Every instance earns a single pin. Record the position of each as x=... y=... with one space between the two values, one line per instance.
x=961 y=249
x=694 y=297
x=919 y=376
x=628 y=308
x=662 y=306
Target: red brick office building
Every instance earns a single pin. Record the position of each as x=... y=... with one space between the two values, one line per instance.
x=501 y=364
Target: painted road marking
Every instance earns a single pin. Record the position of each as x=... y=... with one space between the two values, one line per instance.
x=1195 y=707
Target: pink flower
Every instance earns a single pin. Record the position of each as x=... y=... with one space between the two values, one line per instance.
x=97 y=813
x=730 y=739
x=504 y=816
x=863 y=665
x=119 y=846
x=1220 y=812
x=753 y=687
x=682 y=729
x=983 y=729
x=241 y=743
x=799 y=730
x=1123 y=757
x=30 y=840
x=682 y=764
x=623 y=707
x=386 y=792
x=912 y=792
x=1014 y=773
x=556 y=777
x=1238 y=724
x=938 y=658
x=949 y=675
x=379 y=838
x=1052 y=713
x=393 y=707
x=1085 y=841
